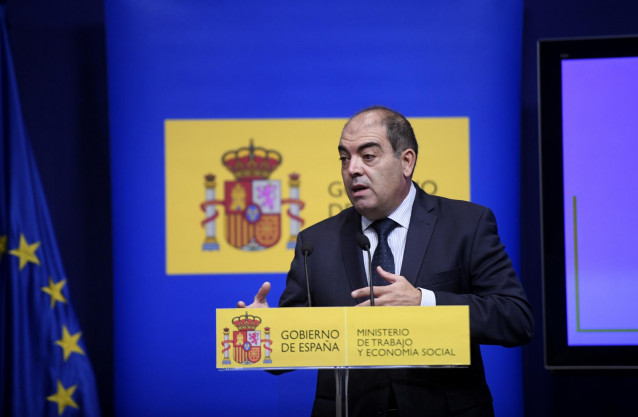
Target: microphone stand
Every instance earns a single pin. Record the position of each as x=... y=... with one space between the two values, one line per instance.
x=305 y=265
x=341 y=375
x=370 y=278
x=364 y=243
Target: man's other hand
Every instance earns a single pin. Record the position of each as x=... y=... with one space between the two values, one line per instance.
x=260 y=299
x=398 y=293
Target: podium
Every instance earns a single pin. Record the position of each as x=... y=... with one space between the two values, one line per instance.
x=342 y=338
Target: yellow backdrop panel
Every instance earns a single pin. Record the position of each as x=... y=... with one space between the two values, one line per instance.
x=230 y=210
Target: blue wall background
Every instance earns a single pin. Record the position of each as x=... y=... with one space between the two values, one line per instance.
x=59 y=54
x=305 y=60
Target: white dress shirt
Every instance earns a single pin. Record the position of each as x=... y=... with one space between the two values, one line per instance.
x=396 y=240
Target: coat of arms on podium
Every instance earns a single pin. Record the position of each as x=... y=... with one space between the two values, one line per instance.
x=252 y=203
x=247 y=341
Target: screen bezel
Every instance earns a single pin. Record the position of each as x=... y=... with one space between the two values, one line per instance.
x=558 y=353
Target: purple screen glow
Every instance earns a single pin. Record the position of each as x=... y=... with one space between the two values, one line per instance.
x=600 y=168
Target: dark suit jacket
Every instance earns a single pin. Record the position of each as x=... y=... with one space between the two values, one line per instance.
x=453 y=249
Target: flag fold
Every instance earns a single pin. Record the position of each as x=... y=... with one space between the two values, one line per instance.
x=44 y=368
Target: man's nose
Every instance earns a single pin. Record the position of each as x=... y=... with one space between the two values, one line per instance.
x=355 y=167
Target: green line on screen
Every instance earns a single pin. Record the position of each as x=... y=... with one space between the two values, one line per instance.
x=578 y=328
x=575 y=217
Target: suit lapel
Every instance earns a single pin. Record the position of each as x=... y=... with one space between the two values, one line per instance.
x=422 y=223
x=351 y=253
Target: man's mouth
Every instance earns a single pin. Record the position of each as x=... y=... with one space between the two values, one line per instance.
x=358 y=189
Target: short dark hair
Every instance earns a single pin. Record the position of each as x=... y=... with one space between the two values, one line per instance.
x=398 y=129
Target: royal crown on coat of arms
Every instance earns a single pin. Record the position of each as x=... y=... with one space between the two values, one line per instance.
x=252 y=162
x=252 y=201
x=246 y=322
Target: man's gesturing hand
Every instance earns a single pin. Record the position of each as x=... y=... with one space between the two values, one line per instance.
x=399 y=293
x=260 y=299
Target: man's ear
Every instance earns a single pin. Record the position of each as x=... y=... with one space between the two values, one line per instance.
x=408 y=159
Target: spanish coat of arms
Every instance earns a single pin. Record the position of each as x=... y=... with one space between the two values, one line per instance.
x=252 y=203
x=246 y=341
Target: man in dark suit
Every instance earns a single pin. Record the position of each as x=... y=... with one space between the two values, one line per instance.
x=440 y=252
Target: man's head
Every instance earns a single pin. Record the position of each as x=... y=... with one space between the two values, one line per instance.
x=378 y=153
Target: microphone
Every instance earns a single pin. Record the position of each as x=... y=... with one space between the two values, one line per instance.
x=364 y=243
x=306 y=250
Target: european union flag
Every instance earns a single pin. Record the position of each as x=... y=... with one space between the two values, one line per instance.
x=44 y=368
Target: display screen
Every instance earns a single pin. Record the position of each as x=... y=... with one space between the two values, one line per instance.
x=600 y=183
x=589 y=192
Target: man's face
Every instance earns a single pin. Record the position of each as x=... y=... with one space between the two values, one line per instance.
x=375 y=180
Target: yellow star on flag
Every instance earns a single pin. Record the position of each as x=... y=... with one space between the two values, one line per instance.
x=55 y=291
x=69 y=343
x=3 y=245
x=63 y=397
x=26 y=252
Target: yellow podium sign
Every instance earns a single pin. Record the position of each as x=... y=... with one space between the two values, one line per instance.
x=342 y=337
